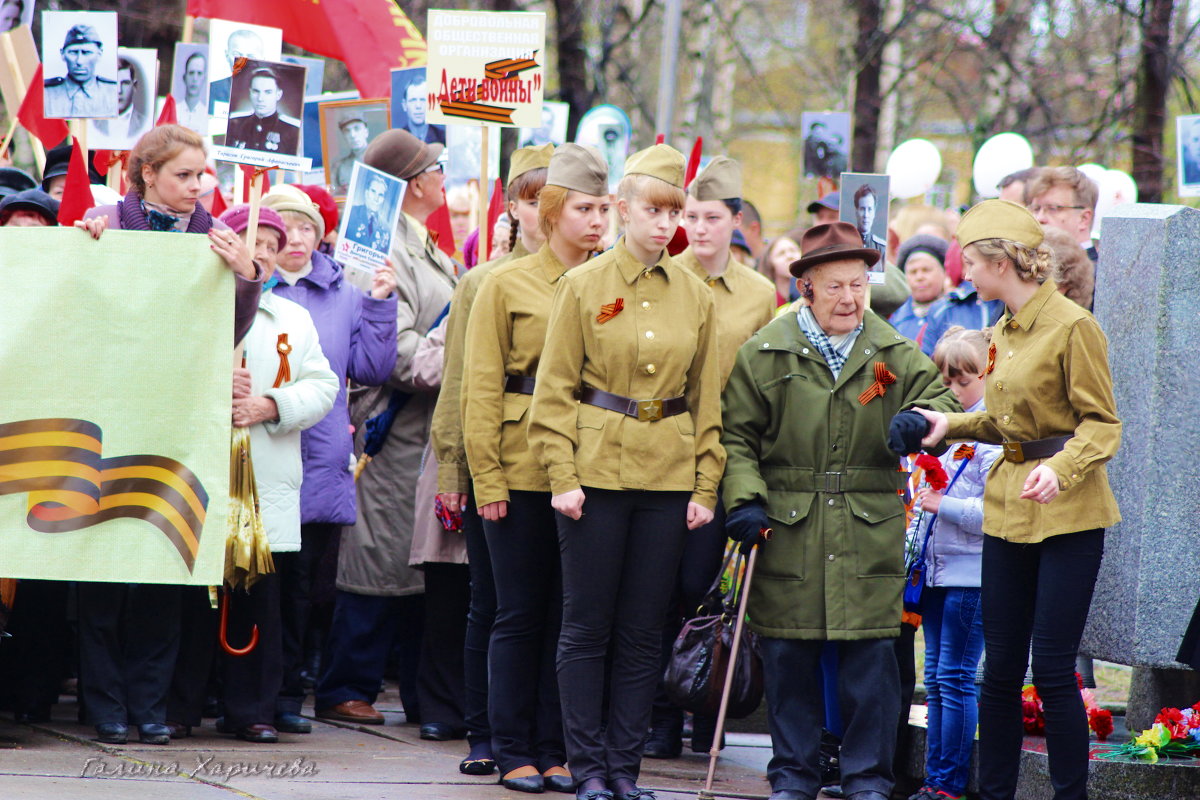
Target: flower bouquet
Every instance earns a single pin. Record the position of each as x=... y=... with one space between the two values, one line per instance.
x=1174 y=734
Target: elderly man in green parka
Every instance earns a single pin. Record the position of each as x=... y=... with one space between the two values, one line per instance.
x=807 y=412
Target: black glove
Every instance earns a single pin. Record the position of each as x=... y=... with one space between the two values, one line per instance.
x=905 y=433
x=745 y=524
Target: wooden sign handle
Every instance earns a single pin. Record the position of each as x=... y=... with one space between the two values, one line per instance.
x=484 y=253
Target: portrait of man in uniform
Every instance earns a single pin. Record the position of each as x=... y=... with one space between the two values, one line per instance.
x=864 y=204
x=410 y=105
x=266 y=108
x=135 y=93
x=369 y=224
x=347 y=127
x=228 y=42
x=189 y=86
x=81 y=82
x=371 y=214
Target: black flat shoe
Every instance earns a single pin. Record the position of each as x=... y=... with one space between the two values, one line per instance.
x=154 y=733
x=593 y=794
x=530 y=784
x=112 y=732
x=440 y=732
x=477 y=766
x=292 y=723
x=260 y=733
x=635 y=794
x=559 y=783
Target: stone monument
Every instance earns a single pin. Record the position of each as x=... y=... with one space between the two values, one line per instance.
x=1148 y=303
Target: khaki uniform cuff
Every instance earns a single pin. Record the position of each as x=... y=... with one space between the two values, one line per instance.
x=454 y=478
x=563 y=478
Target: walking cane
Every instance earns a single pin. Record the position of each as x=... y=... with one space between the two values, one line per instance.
x=715 y=752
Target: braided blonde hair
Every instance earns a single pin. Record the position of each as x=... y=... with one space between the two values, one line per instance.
x=1031 y=263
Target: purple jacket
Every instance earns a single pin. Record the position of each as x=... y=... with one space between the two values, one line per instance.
x=358 y=337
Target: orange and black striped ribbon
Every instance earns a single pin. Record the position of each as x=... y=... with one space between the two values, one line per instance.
x=284 y=374
x=610 y=310
x=964 y=452
x=71 y=486
x=508 y=67
x=480 y=111
x=883 y=378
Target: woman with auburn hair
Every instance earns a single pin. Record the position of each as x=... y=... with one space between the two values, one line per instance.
x=129 y=633
x=505 y=335
x=626 y=422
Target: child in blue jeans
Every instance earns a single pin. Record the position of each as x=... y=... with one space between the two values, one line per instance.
x=951 y=615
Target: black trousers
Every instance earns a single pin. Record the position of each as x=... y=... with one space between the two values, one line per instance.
x=128 y=641
x=252 y=681
x=480 y=616
x=297 y=573
x=869 y=696
x=440 y=672
x=197 y=655
x=1035 y=594
x=524 y=709
x=618 y=561
x=702 y=552
x=34 y=661
x=362 y=633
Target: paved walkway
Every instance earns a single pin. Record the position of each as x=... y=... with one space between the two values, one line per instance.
x=61 y=760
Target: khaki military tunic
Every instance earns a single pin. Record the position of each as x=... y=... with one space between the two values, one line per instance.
x=505 y=336
x=661 y=343
x=447 y=432
x=745 y=301
x=1048 y=377
x=65 y=98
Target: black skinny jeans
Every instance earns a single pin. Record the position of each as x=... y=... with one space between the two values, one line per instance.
x=618 y=565
x=523 y=706
x=1040 y=593
x=481 y=614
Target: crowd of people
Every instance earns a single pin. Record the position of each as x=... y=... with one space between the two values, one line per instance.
x=507 y=487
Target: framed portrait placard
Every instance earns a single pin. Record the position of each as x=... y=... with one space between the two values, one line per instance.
x=864 y=204
x=368 y=223
x=347 y=127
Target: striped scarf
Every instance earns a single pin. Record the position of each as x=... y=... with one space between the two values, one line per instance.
x=836 y=349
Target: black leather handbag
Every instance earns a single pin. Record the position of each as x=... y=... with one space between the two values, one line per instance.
x=695 y=675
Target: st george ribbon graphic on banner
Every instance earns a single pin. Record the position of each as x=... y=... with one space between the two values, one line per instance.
x=115 y=438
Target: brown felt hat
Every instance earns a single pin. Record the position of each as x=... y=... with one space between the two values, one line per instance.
x=833 y=241
x=528 y=158
x=397 y=152
x=662 y=161
x=720 y=180
x=999 y=219
x=578 y=167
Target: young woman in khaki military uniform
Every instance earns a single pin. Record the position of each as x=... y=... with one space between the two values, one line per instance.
x=505 y=335
x=633 y=463
x=1047 y=502
x=526 y=177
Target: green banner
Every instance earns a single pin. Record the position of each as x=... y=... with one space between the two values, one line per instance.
x=116 y=357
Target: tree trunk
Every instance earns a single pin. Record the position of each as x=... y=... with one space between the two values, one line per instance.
x=868 y=48
x=573 y=84
x=1150 y=103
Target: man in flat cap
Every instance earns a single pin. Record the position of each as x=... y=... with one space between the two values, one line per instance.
x=355 y=132
x=81 y=92
x=264 y=129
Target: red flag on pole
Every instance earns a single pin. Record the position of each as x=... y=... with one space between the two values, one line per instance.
x=77 y=193
x=439 y=227
x=372 y=37
x=693 y=163
x=32 y=115
x=168 y=116
x=495 y=209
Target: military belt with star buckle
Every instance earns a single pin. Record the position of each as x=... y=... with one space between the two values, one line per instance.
x=642 y=410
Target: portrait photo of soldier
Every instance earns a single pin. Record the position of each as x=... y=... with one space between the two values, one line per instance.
x=80 y=64
x=826 y=143
x=136 y=69
x=228 y=42
x=189 y=86
x=410 y=105
x=370 y=219
x=267 y=102
x=347 y=127
x=864 y=204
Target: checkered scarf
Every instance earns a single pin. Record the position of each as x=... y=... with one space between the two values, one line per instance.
x=835 y=353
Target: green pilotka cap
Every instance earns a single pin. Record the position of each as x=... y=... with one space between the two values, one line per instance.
x=720 y=180
x=661 y=161
x=528 y=158
x=999 y=219
x=578 y=167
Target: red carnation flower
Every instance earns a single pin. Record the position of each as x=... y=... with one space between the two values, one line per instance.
x=935 y=474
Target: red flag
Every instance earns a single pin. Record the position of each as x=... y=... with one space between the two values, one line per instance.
x=77 y=194
x=372 y=37
x=168 y=116
x=495 y=208
x=660 y=139
x=439 y=227
x=248 y=178
x=693 y=163
x=32 y=115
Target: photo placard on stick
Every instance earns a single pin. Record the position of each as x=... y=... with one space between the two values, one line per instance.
x=1187 y=136
x=347 y=127
x=227 y=42
x=553 y=129
x=137 y=72
x=80 y=64
x=410 y=105
x=189 y=85
x=607 y=128
x=310 y=136
x=369 y=219
x=864 y=204
x=486 y=66
x=826 y=143
x=266 y=104
x=314 y=78
x=18 y=72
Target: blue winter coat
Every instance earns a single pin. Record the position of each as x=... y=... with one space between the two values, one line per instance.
x=959 y=306
x=358 y=337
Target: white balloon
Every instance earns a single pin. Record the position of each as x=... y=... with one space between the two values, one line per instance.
x=1094 y=171
x=913 y=167
x=1119 y=187
x=1001 y=155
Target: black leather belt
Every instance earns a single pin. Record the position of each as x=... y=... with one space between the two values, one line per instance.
x=1020 y=452
x=645 y=410
x=520 y=384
